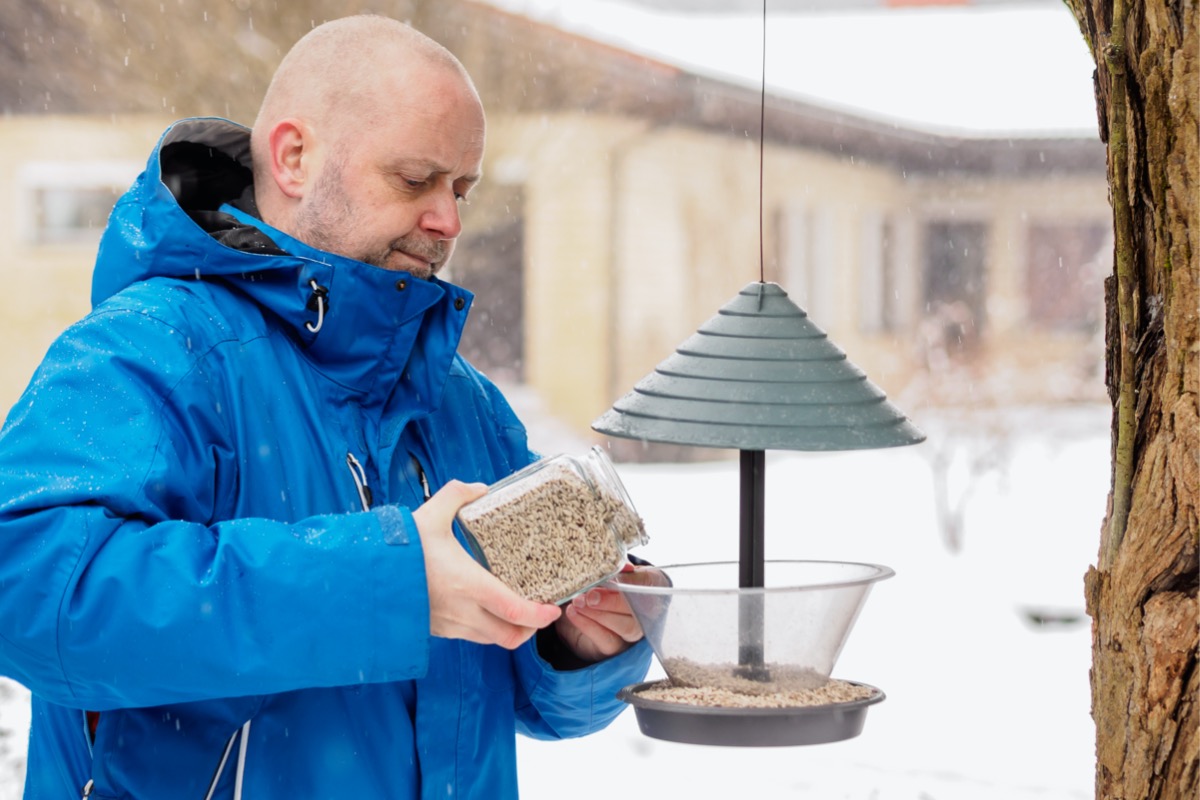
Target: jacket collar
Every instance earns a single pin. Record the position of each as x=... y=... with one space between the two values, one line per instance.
x=376 y=326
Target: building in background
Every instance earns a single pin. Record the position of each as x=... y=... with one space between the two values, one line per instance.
x=621 y=206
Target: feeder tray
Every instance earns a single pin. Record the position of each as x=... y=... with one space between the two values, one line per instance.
x=778 y=641
x=748 y=727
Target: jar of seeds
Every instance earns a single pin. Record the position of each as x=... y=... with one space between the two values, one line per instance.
x=555 y=529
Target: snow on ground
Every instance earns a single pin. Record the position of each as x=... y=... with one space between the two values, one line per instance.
x=982 y=703
x=14 y=726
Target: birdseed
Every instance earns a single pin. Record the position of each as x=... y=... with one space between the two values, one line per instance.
x=554 y=540
x=761 y=679
x=831 y=692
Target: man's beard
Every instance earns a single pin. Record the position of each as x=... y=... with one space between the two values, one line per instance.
x=324 y=221
x=432 y=253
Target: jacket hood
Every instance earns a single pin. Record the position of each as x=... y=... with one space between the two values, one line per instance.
x=150 y=234
x=358 y=322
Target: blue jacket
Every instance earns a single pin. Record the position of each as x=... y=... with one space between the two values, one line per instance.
x=183 y=545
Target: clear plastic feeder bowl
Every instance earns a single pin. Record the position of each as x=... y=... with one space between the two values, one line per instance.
x=774 y=642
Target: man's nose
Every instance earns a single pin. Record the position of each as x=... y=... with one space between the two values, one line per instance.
x=442 y=218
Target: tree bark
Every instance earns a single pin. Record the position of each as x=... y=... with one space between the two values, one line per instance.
x=1142 y=593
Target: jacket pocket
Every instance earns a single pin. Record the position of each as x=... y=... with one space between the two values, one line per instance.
x=167 y=751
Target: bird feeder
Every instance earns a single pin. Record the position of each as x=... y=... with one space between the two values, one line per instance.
x=759 y=375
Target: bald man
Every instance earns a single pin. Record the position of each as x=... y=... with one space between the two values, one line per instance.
x=226 y=499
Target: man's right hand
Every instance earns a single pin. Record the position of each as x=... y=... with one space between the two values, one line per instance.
x=465 y=600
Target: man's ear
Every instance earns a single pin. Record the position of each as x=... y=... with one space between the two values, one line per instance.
x=291 y=152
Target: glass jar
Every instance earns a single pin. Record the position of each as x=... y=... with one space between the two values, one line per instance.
x=556 y=528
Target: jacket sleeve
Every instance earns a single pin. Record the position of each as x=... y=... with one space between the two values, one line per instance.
x=118 y=588
x=561 y=704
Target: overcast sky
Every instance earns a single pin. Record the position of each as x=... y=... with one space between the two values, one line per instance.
x=1022 y=69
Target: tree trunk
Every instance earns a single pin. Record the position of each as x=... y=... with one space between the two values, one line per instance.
x=1142 y=593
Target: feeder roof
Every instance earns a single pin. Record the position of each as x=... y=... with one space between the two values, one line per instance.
x=759 y=375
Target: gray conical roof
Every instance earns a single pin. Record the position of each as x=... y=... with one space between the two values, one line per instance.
x=760 y=375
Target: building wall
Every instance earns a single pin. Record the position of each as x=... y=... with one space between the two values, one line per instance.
x=565 y=164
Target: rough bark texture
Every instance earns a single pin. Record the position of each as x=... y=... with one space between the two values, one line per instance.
x=1142 y=593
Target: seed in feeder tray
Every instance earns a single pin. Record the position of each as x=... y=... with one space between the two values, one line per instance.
x=553 y=540
x=763 y=679
x=831 y=692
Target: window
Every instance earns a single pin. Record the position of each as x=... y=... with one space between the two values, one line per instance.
x=69 y=202
x=955 y=280
x=1065 y=272
x=489 y=260
x=878 y=289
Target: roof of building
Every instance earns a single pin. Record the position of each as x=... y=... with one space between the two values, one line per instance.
x=185 y=58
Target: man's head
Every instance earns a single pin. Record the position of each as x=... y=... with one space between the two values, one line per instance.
x=367 y=139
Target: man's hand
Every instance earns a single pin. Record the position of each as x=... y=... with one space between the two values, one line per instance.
x=599 y=623
x=465 y=600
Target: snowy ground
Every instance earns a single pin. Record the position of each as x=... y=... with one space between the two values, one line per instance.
x=982 y=703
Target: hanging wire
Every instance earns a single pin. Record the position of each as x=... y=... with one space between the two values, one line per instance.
x=762 y=127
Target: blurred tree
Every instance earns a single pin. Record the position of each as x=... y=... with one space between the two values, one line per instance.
x=1142 y=593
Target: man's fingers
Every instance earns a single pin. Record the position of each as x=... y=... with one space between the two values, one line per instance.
x=489 y=612
x=644 y=576
x=593 y=639
x=440 y=509
x=491 y=631
x=622 y=625
x=504 y=618
x=501 y=601
x=605 y=599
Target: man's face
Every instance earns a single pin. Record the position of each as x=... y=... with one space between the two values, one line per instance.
x=388 y=191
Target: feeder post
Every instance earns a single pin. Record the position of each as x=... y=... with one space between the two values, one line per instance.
x=752 y=561
x=752 y=565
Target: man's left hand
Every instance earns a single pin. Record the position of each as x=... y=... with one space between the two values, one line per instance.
x=598 y=624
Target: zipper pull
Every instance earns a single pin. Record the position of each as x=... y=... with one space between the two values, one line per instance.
x=360 y=481
x=87 y=789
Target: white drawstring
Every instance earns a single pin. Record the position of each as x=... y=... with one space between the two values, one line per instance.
x=360 y=481
x=241 y=765
x=216 y=778
x=87 y=734
x=319 y=293
x=422 y=478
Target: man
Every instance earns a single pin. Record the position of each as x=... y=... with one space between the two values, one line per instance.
x=226 y=499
